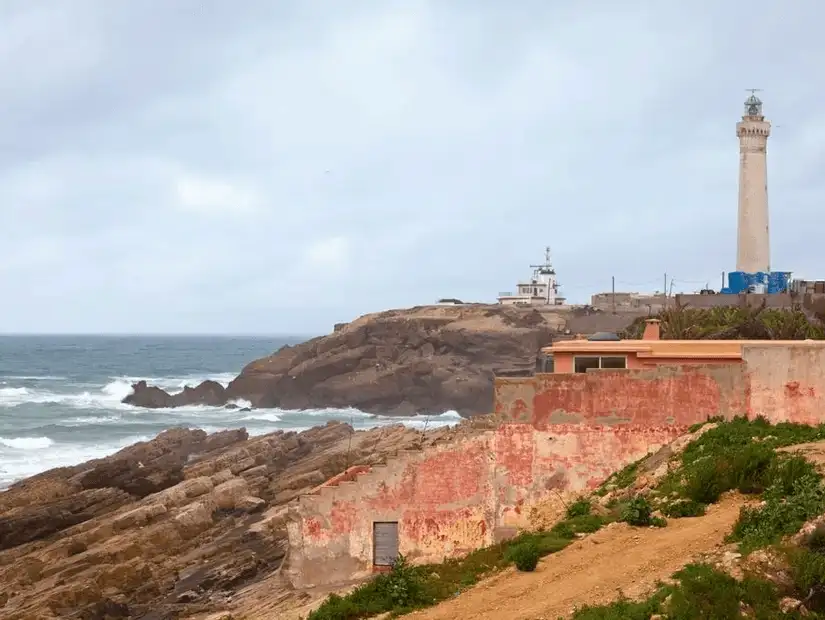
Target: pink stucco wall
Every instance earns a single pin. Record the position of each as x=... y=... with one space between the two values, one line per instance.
x=557 y=432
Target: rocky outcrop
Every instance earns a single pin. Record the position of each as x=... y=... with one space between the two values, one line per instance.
x=173 y=527
x=427 y=359
x=210 y=393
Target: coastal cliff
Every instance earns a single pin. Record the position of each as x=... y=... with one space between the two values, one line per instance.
x=427 y=359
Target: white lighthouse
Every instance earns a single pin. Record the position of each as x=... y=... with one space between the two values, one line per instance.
x=753 y=242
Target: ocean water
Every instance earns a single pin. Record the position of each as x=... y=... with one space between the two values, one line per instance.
x=60 y=396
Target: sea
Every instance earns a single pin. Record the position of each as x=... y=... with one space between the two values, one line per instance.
x=60 y=396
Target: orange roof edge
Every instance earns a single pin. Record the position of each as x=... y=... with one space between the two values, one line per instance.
x=724 y=349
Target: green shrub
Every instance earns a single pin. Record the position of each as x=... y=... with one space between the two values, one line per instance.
x=584 y=524
x=524 y=555
x=403 y=588
x=781 y=514
x=638 y=512
x=706 y=480
x=580 y=508
x=683 y=508
x=788 y=470
x=705 y=592
x=701 y=591
x=622 y=609
x=808 y=574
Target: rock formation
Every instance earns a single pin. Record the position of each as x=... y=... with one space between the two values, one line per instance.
x=427 y=359
x=176 y=526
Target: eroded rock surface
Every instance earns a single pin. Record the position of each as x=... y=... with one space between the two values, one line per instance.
x=427 y=359
x=173 y=527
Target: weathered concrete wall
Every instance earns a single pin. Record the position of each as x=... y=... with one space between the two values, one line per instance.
x=787 y=384
x=678 y=395
x=565 y=459
x=440 y=497
x=557 y=433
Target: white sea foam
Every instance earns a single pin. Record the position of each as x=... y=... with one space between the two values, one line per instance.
x=26 y=443
x=107 y=397
x=19 y=463
x=264 y=416
x=33 y=378
x=53 y=435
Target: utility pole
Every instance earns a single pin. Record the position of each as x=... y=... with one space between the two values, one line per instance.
x=664 y=295
x=613 y=289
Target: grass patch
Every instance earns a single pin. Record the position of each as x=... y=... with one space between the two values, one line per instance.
x=701 y=591
x=407 y=588
x=742 y=455
x=781 y=514
x=620 y=479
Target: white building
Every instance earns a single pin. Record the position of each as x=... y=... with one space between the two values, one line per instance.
x=541 y=290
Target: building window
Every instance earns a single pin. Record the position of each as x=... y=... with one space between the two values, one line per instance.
x=384 y=543
x=584 y=363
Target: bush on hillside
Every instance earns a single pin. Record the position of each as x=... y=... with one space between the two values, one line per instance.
x=781 y=514
x=580 y=508
x=403 y=588
x=525 y=556
x=701 y=591
x=683 y=508
x=639 y=512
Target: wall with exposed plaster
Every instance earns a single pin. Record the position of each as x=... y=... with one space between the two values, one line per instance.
x=557 y=433
x=787 y=384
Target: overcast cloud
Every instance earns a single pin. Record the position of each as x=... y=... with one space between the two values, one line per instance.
x=278 y=166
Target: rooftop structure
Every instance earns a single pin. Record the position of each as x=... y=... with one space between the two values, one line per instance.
x=541 y=289
x=599 y=352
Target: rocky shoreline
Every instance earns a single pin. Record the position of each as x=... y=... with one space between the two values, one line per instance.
x=401 y=362
x=177 y=527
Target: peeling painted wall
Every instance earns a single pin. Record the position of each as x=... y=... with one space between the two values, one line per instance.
x=558 y=433
x=674 y=395
x=787 y=384
x=441 y=498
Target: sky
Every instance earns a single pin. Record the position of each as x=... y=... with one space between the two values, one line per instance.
x=276 y=167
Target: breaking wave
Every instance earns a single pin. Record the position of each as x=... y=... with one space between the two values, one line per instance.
x=50 y=421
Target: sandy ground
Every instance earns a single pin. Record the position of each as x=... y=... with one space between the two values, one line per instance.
x=592 y=571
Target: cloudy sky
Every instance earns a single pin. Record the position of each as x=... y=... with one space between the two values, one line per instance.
x=278 y=166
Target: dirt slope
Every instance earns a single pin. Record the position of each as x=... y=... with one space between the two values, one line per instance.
x=593 y=570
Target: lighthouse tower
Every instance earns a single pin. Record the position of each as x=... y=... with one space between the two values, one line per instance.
x=752 y=243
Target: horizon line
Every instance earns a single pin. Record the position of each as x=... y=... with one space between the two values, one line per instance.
x=160 y=334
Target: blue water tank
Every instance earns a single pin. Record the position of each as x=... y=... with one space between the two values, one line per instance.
x=778 y=281
x=742 y=282
x=760 y=282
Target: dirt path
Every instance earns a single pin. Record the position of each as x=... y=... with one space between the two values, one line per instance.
x=593 y=570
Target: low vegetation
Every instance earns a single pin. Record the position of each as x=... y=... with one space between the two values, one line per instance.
x=759 y=323
x=738 y=455
x=700 y=591
x=741 y=455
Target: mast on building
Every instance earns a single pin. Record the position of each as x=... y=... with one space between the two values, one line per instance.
x=542 y=288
